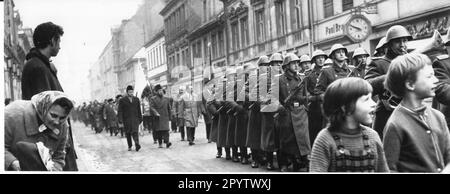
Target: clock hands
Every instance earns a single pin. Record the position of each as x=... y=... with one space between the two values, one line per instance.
x=358 y=28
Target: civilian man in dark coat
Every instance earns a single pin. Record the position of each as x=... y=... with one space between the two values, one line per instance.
x=161 y=109
x=130 y=115
x=39 y=75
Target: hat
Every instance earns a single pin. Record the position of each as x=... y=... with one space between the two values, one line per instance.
x=129 y=88
x=158 y=87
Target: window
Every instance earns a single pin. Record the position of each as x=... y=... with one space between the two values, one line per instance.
x=328 y=8
x=281 y=17
x=221 y=44
x=245 y=38
x=296 y=14
x=347 y=4
x=183 y=14
x=205 y=47
x=235 y=35
x=214 y=45
x=260 y=30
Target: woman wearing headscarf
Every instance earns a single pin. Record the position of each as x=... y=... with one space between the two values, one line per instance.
x=36 y=132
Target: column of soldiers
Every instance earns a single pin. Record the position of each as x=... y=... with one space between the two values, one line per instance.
x=277 y=112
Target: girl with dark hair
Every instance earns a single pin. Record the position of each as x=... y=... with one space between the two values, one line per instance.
x=346 y=144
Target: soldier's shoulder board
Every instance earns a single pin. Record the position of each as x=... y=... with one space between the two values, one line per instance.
x=442 y=57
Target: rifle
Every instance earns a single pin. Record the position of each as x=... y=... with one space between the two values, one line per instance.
x=294 y=92
x=353 y=71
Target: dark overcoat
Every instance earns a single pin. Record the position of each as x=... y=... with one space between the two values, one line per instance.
x=442 y=71
x=162 y=106
x=130 y=114
x=293 y=119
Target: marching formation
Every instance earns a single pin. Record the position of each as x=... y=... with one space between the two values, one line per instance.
x=319 y=117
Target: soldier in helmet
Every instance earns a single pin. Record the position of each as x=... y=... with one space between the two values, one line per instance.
x=269 y=134
x=396 y=39
x=293 y=117
x=442 y=71
x=380 y=49
x=315 y=118
x=230 y=103
x=339 y=69
x=328 y=62
x=360 y=60
x=253 y=140
x=223 y=116
x=305 y=64
x=240 y=108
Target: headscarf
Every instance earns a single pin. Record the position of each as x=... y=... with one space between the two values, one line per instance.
x=43 y=101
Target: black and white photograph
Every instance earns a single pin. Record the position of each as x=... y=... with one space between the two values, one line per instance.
x=226 y=87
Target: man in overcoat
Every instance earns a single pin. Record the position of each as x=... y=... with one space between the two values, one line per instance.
x=161 y=109
x=130 y=115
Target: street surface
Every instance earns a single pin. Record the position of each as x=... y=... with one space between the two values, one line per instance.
x=103 y=153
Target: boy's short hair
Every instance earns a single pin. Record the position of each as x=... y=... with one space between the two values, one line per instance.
x=45 y=32
x=402 y=69
x=343 y=93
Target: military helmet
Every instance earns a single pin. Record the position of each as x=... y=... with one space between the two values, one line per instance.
x=360 y=51
x=305 y=58
x=336 y=47
x=328 y=62
x=318 y=53
x=276 y=57
x=397 y=31
x=290 y=57
x=382 y=43
x=263 y=60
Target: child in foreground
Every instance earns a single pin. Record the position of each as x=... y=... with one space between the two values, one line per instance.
x=346 y=145
x=416 y=136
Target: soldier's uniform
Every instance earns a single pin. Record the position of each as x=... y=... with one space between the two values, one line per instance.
x=222 y=124
x=253 y=140
x=329 y=74
x=293 y=123
x=269 y=131
x=315 y=118
x=442 y=71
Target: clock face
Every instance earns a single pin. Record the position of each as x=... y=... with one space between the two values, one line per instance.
x=358 y=28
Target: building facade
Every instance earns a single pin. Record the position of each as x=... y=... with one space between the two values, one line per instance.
x=102 y=76
x=181 y=17
x=156 y=66
x=263 y=27
x=208 y=43
x=332 y=21
x=17 y=43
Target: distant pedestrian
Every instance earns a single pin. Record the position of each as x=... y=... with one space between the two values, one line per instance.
x=110 y=116
x=190 y=108
x=130 y=115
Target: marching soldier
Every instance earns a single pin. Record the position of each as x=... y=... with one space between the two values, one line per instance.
x=269 y=133
x=212 y=107
x=396 y=39
x=339 y=69
x=442 y=71
x=223 y=117
x=360 y=60
x=177 y=108
x=305 y=64
x=254 y=123
x=230 y=103
x=315 y=118
x=293 y=118
x=241 y=111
